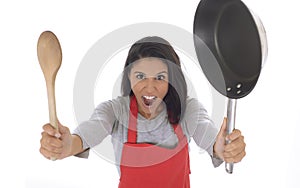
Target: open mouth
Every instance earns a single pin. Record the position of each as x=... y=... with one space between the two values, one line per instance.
x=148 y=100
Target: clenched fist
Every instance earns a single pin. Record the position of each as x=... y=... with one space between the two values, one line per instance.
x=234 y=151
x=56 y=144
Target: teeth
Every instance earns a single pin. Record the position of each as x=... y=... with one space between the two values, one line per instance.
x=149 y=97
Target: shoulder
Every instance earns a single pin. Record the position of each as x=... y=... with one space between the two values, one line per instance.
x=194 y=111
x=193 y=105
x=196 y=119
x=117 y=108
x=116 y=104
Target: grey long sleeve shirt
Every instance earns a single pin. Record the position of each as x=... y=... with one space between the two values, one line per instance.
x=111 y=118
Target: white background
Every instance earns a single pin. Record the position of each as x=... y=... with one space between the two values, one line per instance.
x=269 y=117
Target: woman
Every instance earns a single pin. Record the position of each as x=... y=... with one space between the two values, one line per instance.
x=151 y=124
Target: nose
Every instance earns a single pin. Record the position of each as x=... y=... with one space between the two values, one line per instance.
x=150 y=85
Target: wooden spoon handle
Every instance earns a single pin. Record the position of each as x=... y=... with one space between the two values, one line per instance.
x=51 y=103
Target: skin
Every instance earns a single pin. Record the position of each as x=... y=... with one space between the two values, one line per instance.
x=148 y=77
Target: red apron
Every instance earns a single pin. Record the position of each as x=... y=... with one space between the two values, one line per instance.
x=150 y=166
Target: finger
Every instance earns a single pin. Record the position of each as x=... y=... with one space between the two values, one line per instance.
x=234 y=152
x=224 y=124
x=50 y=140
x=236 y=144
x=222 y=131
x=237 y=158
x=53 y=149
x=49 y=155
x=234 y=135
x=48 y=128
x=44 y=152
x=63 y=129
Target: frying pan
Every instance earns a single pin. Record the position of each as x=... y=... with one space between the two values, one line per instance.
x=237 y=41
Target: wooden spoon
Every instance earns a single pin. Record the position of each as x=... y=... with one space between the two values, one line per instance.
x=50 y=57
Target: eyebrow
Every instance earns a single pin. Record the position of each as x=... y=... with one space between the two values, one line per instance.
x=162 y=72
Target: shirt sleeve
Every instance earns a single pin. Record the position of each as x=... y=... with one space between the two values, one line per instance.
x=93 y=131
x=201 y=128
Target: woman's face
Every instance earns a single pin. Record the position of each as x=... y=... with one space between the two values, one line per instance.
x=149 y=83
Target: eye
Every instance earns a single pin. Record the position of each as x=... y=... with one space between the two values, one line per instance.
x=140 y=76
x=160 y=77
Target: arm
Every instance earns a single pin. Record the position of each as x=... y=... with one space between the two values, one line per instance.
x=208 y=137
x=93 y=131
x=63 y=144
x=201 y=128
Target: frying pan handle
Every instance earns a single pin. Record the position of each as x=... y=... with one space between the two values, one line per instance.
x=231 y=109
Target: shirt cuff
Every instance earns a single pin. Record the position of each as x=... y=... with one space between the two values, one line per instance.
x=78 y=133
x=216 y=161
x=84 y=154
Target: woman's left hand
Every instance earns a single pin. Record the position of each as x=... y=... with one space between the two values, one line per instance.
x=234 y=151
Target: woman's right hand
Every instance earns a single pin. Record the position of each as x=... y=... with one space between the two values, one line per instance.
x=56 y=144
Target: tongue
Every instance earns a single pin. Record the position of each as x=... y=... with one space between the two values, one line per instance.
x=148 y=102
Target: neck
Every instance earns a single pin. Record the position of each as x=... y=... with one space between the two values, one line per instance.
x=153 y=114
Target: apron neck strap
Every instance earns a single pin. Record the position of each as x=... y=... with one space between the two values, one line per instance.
x=132 y=124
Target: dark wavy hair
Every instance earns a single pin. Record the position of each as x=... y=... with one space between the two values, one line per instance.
x=154 y=46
